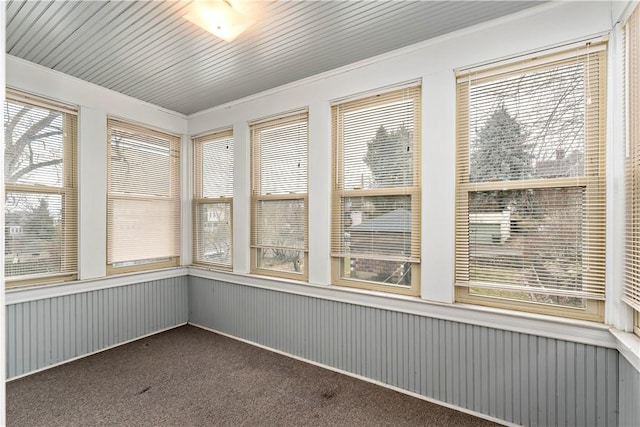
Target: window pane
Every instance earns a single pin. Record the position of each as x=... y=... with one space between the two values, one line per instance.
x=288 y=261
x=530 y=295
x=34 y=234
x=385 y=272
x=378 y=146
x=140 y=164
x=531 y=125
x=143 y=229
x=213 y=222
x=280 y=226
x=280 y=223
x=377 y=225
x=34 y=145
x=217 y=168
x=283 y=159
x=377 y=239
x=528 y=239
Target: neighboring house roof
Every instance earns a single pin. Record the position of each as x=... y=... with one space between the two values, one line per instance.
x=561 y=166
x=397 y=221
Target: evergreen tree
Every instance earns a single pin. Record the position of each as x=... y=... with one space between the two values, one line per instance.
x=500 y=151
x=39 y=223
x=390 y=157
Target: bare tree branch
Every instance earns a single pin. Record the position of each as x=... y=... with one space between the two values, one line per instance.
x=32 y=133
x=33 y=166
x=11 y=126
x=46 y=135
x=15 y=148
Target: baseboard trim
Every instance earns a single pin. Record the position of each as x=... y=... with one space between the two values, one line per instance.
x=64 y=362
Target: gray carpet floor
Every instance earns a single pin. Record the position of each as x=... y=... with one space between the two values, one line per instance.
x=191 y=377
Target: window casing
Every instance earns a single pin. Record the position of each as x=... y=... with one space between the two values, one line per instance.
x=41 y=230
x=632 y=252
x=530 y=196
x=375 y=241
x=143 y=199
x=213 y=200
x=279 y=206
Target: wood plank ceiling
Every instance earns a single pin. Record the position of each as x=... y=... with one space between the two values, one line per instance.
x=146 y=49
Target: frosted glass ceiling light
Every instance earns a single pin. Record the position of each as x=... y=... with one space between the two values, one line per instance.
x=226 y=19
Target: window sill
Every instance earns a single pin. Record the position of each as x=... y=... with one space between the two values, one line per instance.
x=33 y=293
x=580 y=331
x=628 y=344
x=584 y=332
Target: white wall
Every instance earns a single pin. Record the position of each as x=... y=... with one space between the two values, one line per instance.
x=434 y=63
x=94 y=104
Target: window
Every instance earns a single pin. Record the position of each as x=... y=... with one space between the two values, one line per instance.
x=143 y=202
x=375 y=240
x=279 y=197
x=213 y=201
x=530 y=198
x=632 y=255
x=40 y=191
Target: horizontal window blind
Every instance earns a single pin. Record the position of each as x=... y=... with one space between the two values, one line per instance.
x=279 y=196
x=376 y=194
x=530 y=199
x=143 y=203
x=40 y=190
x=213 y=201
x=632 y=78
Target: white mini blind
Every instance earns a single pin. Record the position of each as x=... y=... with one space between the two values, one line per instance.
x=279 y=196
x=376 y=194
x=143 y=203
x=530 y=218
x=40 y=190
x=632 y=78
x=213 y=199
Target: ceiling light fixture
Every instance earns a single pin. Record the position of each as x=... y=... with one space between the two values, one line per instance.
x=226 y=19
